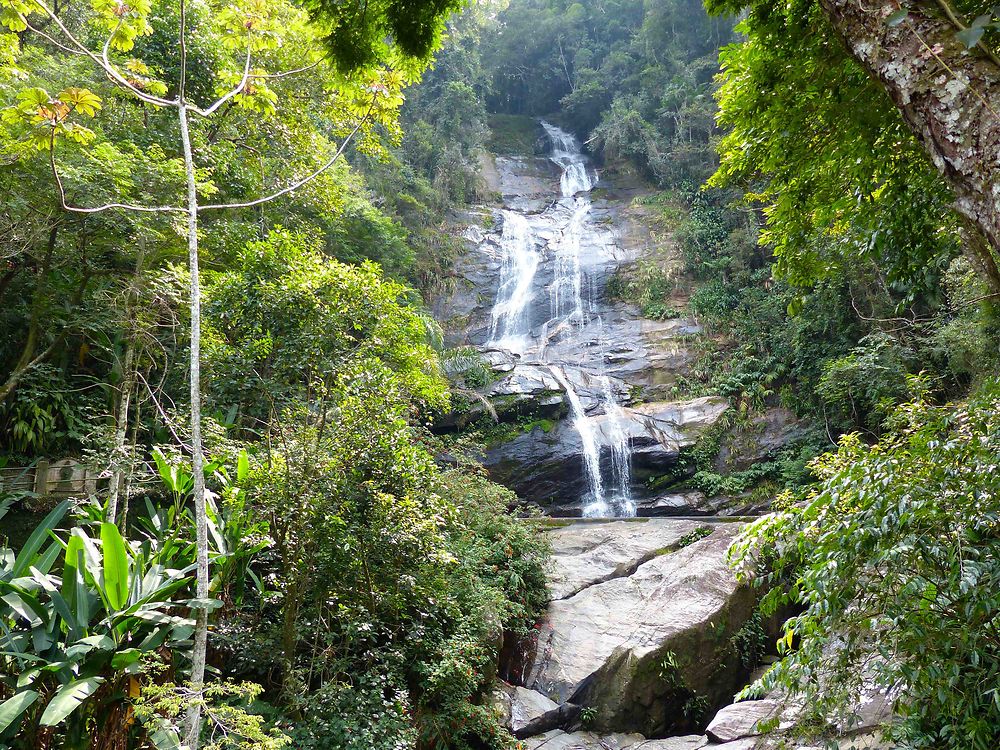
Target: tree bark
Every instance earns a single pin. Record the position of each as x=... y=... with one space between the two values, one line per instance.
x=122 y=460
x=948 y=95
x=199 y=653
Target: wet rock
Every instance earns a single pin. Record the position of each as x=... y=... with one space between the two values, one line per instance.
x=768 y=433
x=544 y=467
x=741 y=720
x=547 y=467
x=526 y=380
x=499 y=360
x=610 y=646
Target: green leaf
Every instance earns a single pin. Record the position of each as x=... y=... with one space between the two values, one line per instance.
x=27 y=554
x=970 y=37
x=126 y=658
x=208 y=604
x=242 y=467
x=115 y=565
x=12 y=708
x=66 y=700
x=897 y=17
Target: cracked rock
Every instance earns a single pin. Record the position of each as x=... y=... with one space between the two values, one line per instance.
x=607 y=646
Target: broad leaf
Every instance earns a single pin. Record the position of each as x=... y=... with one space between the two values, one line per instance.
x=27 y=554
x=13 y=708
x=68 y=698
x=115 y=566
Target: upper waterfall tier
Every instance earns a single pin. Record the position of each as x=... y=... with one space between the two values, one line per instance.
x=566 y=153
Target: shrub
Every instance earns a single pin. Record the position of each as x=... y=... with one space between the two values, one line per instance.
x=895 y=558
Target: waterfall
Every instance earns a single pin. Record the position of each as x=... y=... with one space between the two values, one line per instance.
x=566 y=294
x=572 y=236
x=566 y=153
x=598 y=506
x=617 y=437
x=510 y=326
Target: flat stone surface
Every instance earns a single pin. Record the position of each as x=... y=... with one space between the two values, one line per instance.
x=560 y=740
x=586 y=554
x=688 y=742
x=741 y=720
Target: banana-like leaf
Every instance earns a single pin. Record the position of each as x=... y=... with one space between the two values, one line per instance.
x=74 y=590
x=59 y=602
x=68 y=698
x=242 y=466
x=13 y=708
x=27 y=554
x=48 y=558
x=115 y=566
x=126 y=658
x=24 y=604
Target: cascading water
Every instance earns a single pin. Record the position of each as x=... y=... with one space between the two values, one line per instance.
x=597 y=506
x=566 y=293
x=566 y=153
x=621 y=451
x=510 y=325
x=572 y=315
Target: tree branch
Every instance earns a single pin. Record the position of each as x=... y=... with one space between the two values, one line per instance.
x=299 y=183
x=237 y=89
x=104 y=64
x=107 y=206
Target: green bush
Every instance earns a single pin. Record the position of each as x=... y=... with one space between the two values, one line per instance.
x=895 y=558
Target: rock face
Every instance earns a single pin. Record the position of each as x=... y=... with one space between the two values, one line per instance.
x=547 y=466
x=769 y=432
x=635 y=632
x=535 y=282
x=742 y=719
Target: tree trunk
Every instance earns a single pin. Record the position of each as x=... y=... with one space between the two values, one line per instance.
x=199 y=653
x=27 y=360
x=122 y=461
x=949 y=96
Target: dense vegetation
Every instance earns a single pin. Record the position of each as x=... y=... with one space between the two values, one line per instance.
x=357 y=590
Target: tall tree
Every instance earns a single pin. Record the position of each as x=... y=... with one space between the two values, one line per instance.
x=946 y=83
x=382 y=47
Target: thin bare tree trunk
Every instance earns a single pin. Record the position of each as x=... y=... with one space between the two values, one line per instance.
x=123 y=462
x=199 y=653
x=121 y=431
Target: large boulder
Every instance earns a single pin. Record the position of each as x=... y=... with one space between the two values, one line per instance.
x=527 y=713
x=636 y=644
x=585 y=554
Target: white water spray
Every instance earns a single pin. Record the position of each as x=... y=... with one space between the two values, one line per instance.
x=510 y=325
x=598 y=506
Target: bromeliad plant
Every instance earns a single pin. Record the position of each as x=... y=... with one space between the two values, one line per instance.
x=72 y=643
